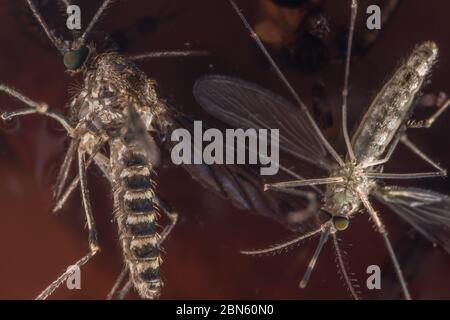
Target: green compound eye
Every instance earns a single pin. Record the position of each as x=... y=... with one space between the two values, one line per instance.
x=341 y=223
x=74 y=59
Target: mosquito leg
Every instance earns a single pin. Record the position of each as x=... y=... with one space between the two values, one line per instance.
x=57 y=42
x=34 y=107
x=62 y=278
x=348 y=143
x=430 y=121
x=419 y=175
x=302 y=183
x=343 y=268
x=172 y=215
x=94 y=20
x=404 y=139
x=168 y=54
x=125 y=290
x=100 y=160
x=117 y=283
x=382 y=230
x=65 y=167
x=93 y=244
x=283 y=78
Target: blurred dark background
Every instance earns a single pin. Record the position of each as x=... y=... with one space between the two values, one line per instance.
x=202 y=259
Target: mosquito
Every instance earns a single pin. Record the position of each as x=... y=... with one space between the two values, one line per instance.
x=118 y=108
x=350 y=182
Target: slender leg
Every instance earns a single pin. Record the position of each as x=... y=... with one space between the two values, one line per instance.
x=348 y=143
x=93 y=244
x=62 y=278
x=342 y=267
x=65 y=167
x=173 y=218
x=94 y=20
x=34 y=107
x=382 y=230
x=404 y=139
x=57 y=42
x=168 y=54
x=419 y=175
x=430 y=121
x=302 y=183
x=99 y=159
x=408 y=143
x=283 y=78
x=117 y=283
x=124 y=291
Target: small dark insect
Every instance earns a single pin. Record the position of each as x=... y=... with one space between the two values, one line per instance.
x=350 y=180
x=118 y=107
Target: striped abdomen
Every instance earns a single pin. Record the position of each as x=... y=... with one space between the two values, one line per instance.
x=136 y=214
x=392 y=106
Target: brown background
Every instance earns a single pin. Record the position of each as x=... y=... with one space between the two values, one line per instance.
x=202 y=259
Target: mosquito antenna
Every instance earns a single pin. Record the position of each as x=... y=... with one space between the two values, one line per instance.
x=284 y=245
x=348 y=143
x=56 y=42
x=280 y=74
x=343 y=268
x=94 y=20
x=323 y=239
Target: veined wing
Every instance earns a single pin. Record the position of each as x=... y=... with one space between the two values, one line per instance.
x=427 y=211
x=241 y=185
x=245 y=105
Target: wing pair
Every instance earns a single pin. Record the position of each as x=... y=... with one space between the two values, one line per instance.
x=246 y=105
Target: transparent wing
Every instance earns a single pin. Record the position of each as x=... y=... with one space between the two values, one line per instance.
x=245 y=105
x=137 y=128
x=241 y=185
x=425 y=210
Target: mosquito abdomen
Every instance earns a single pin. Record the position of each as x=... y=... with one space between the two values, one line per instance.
x=392 y=107
x=136 y=214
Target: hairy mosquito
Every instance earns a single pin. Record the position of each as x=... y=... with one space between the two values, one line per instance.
x=350 y=181
x=118 y=107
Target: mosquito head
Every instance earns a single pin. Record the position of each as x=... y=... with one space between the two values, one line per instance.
x=75 y=59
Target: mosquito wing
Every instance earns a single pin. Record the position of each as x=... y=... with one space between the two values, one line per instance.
x=137 y=128
x=425 y=210
x=239 y=184
x=245 y=105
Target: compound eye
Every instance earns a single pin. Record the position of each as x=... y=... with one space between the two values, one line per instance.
x=74 y=59
x=341 y=223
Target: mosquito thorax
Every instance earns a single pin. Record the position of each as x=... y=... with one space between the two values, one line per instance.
x=75 y=59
